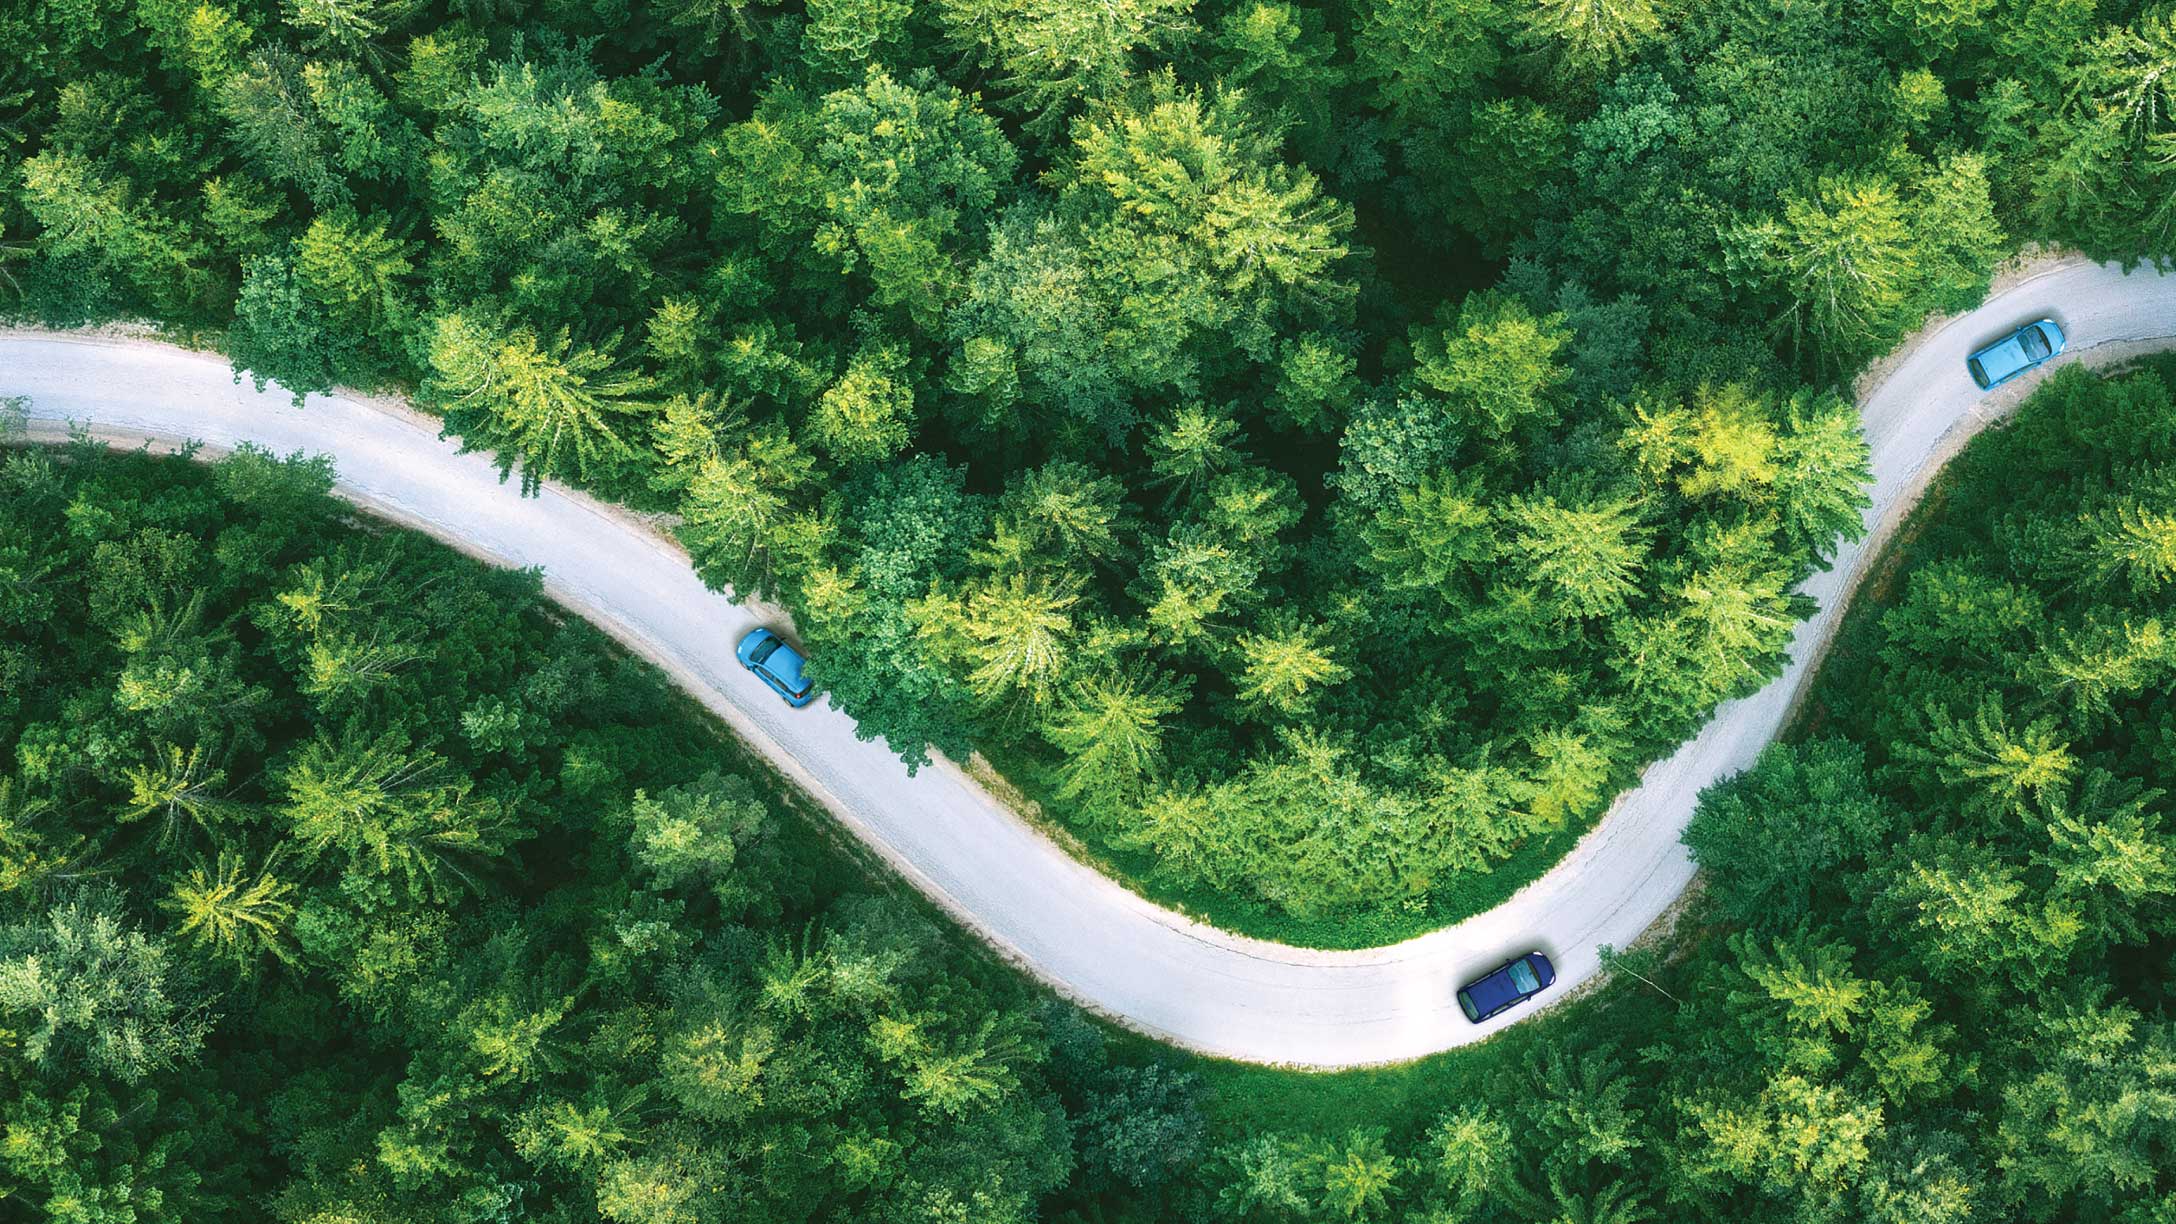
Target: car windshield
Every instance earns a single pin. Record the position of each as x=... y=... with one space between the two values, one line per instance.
x=765 y=651
x=1522 y=976
x=2036 y=345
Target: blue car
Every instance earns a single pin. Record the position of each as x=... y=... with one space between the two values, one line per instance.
x=2015 y=353
x=1508 y=986
x=778 y=665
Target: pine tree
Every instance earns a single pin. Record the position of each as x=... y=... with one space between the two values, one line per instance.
x=233 y=917
x=1021 y=629
x=1285 y=668
x=2134 y=544
x=394 y=813
x=736 y=511
x=1586 y=556
x=1997 y=767
x=1843 y=253
x=550 y=405
x=867 y=415
x=1110 y=730
x=1496 y=363
x=1593 y=35
x=177 y=785
x=1359 y=1175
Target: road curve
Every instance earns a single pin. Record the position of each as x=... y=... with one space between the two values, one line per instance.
x=1092 y=939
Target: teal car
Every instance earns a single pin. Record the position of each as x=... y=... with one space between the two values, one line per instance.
x=777 y=664
x=2015 y=353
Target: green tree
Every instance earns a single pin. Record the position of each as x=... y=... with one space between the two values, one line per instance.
x=1593 y=35
x=1051 y=56
x=232 y=916
x=1359 y=1176
x=1935 y=27
x=888 y=176
x=2087 y=1120
x=738 y=513
x=2132 y=543
x=1434 y=536
x=1423 y=56
x=1586 y=556
x=1193 y=222
x=397 y=815
x=85 y=990
x=1496 y=363
x=550 y=406
x=1798 y=1141
x=868 y=415
x=100 y=222
x=1469 y=1152
x=1021 y=628
x=700 y=833
x=1843 y=254
x=1285 y=668
x=1110 y=731
x=356 y=269
x=1769 y=838
x=1974 y=917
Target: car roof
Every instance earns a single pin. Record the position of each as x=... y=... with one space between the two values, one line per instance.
x=786 y=664
x=2002 y=359
x=1493 y=991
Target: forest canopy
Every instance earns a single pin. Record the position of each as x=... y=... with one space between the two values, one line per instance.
x=302 y=921
x=343 y=878
x=1926 y=977
x=1320 y=450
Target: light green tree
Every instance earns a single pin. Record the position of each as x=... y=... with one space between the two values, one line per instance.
x=738 y=510
x=2132 y=543
x=1285 y=668
x=1053 y=54
x=1586 y=556
x=867 y=415
x=234 y=916
x=86 y=992
x=1593 y=35
x=1843 y=254
x=1021 y=627
x=1496 y=362
x=1109 y=729
x=554 y=407
x=391 y=812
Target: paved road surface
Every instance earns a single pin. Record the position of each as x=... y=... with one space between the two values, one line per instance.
x=1093 y=939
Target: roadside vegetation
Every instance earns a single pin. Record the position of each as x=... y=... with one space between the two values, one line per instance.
x=1926 y=977
x=341 y=878
x=1320 y=451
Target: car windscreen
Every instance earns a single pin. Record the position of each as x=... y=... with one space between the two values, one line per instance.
x=2036 y=345
x=1522 y=976
x=765 y=651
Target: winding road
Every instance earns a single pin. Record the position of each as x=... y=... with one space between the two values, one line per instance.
x=1089 y=937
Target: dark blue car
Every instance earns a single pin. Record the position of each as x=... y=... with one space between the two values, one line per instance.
x=1511 y=984
x=778 y=665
